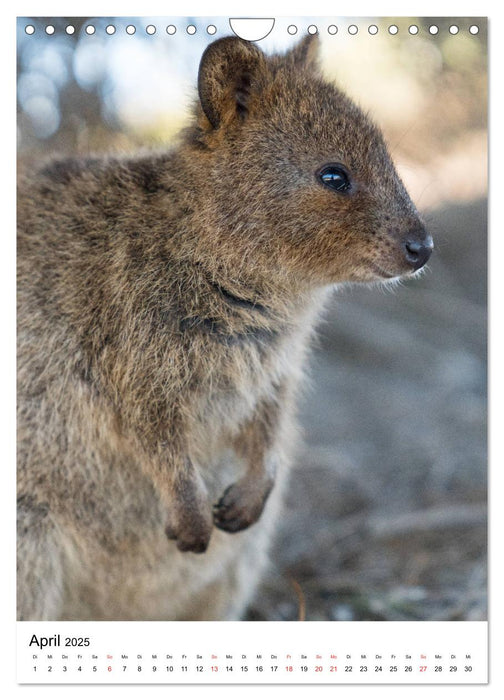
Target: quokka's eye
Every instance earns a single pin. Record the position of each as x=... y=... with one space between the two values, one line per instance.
x=334 y=176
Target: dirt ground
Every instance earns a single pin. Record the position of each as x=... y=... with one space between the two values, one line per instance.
x=385 y=515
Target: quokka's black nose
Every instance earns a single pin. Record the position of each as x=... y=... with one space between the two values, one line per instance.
x=418 y=251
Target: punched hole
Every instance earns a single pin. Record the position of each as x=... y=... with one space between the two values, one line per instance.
x=252 y=28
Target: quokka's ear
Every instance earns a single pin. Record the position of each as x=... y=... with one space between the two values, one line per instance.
x=305 y=53
x=227 y=78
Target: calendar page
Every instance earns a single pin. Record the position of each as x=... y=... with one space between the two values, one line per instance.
x=252 y=342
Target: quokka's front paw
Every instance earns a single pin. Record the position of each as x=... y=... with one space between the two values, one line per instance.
x=241 y=505
x=191 y=532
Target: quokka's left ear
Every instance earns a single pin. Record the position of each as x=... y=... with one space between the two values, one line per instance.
x=228 y=78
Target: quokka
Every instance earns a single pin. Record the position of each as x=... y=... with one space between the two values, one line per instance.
x=166 y=304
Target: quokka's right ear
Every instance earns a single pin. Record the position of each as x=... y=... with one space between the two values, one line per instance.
x=305 y=54
x=228 y=78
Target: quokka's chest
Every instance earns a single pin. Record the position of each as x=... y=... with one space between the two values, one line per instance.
x=258 y=372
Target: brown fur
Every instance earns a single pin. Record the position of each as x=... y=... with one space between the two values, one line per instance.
x=166 y=302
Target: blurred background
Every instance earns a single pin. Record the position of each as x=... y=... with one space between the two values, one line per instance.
x=386 y=509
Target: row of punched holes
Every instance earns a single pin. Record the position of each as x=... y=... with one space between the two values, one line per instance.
x=292 y=29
